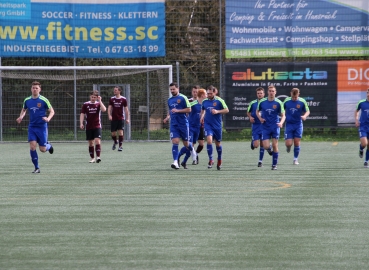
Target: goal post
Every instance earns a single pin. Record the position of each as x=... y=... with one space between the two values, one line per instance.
x=68 y=87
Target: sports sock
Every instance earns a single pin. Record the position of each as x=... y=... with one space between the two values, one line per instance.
x=261 y=153
x=175 y=151
x=275 y=158
x=219 y=151
x=188 y=154
x=34 y=158
x=48 y=146
x=209 y=148
x=296 y=152
x=182 y=151
x=114 y=138
x=367 y=155
x=199 y=148
x=91 y=151
x=98 y=150
x=190 y=146
x=120 y=140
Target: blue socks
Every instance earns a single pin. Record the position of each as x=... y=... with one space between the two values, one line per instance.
x=219 y=151
x=175 y=151
x=275 y=158
x=261 y=154
x=296 y=151
x=209 y=148
x=34 y=158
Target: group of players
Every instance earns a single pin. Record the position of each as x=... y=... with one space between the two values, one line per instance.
x=41 y=112
x=190 y=120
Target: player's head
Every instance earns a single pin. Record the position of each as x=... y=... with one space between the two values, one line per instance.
x=36 y=88
x=194 y=90
x=117 y=90
x=173 y=87
x=272 y=91
x=201 y=93
x=210 y=92
x=94 y=95
x=260 y=92
x=295 y=92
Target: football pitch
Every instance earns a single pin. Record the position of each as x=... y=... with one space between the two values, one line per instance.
x=132 y=211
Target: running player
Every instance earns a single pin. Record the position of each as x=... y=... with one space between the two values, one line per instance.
x=363 y=125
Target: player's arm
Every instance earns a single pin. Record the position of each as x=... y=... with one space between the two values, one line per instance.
x=252 y=119
x=102 y=106
x=166 y=119
x=262 y=120
x=184 y=110
x=357 y=123
x=51 y=115
x=283 y=118
x=21 y=115
x=202 y=115
x=305 y=115
x=81 y=120
x=126 y=112
x=110 y=109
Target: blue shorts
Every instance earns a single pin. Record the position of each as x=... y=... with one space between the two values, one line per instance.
x=257 y=132
x=194 y=134
x=271 y=133
x=293 y=131
x=364 y=131
x=38 y=134
x=216 y=133
x=179 y=132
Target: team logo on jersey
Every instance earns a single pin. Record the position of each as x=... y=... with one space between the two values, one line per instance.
x=214 y=104
x=298 y=106
x=274 y=107
x=178 y=101
x=38 y=105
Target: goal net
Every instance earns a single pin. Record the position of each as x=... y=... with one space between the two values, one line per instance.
x=68 y=87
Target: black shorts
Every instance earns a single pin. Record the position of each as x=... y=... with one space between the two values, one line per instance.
x=116 y=125
x=201 y=134
x=91 y=134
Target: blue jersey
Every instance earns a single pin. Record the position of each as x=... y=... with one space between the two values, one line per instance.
x=363 y=105
x=252 y=110
x=270 y=111
x=294 y=109
x=37 y=108
x=178 y=102
x=213 y=120
x=194 y=116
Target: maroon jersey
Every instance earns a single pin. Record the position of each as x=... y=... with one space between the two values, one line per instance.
x=117 y=105
x=93 y=113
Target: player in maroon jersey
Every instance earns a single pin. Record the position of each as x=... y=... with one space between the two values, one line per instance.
x=117 y=104
x=91 y=111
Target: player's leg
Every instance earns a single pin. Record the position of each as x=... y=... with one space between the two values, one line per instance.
x=261 y=154
x=121 y=137
x=174 y=136
x=218 y=146
x=363 y=141
x=194 y=135
x=113 y=130
x=288 y=137
x=209 y=145
x=44 y=145
x=32 y=139
x=366 y=165
x=266 y=136
x=200 y=140
x=275 y=138
x=296 y=142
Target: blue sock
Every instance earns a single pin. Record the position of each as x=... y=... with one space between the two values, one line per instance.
x=183 y=150
x=275 y=158
x=367 y=155
x=209 y=148
x=34 y=158
x=296 y=151
x=189 y=146
x=361 y=148
x=261 y=153
x=175 y=151
x=188 y=154
x=219 y=151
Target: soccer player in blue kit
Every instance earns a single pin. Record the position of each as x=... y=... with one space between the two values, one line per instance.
x=213 y=108
x=37 y=105
x=179 y=106
x=271 y=114
x=257 y=131
x=296 y=110
x=363 y=125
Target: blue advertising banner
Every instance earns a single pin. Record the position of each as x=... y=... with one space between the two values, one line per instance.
x=296 y=28
x=82 y=28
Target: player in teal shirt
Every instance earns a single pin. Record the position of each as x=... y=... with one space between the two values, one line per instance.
x=213 y=108
x=363 y=125
x=179 y=106
x=271 y=114
x=257 y=129
x=297 y=111
x=38 y=106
